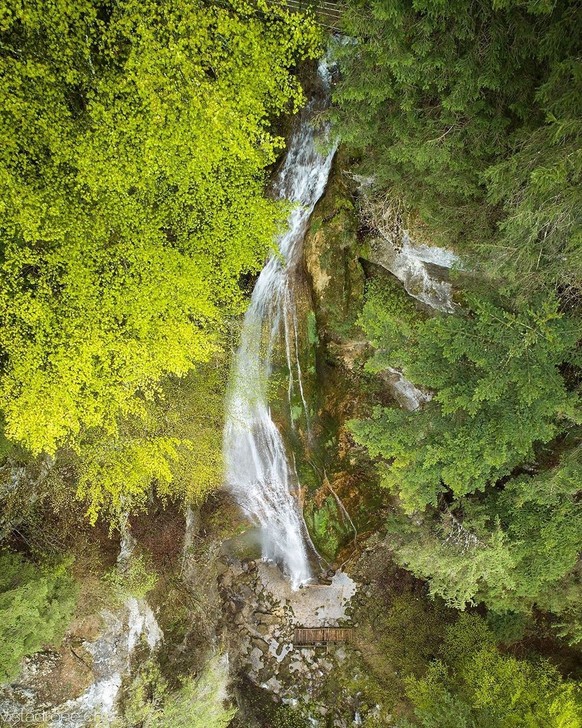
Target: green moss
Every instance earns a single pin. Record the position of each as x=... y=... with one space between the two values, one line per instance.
x=331 y=252
x=312 y=334
x=327 y=527
x=287 y=717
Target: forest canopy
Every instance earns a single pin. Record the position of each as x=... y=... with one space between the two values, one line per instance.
x=433 y=444
x=467 y=118
x=469 y=114
x=134 y=142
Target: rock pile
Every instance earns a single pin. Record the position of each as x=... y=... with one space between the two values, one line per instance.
x=261 y=612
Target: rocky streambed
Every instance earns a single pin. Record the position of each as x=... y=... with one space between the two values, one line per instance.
x=260 y=614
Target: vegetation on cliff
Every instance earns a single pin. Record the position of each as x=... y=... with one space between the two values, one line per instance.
x=468 y=115
x=36 y=605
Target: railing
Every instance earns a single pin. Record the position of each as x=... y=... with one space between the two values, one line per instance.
x=328 y=13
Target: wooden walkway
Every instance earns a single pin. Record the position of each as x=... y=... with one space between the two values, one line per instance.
x=328 y=13
x=313 y=636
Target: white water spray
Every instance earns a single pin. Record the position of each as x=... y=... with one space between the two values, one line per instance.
x=258 y=472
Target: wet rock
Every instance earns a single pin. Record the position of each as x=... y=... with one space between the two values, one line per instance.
x=82 y=681
x=272 y=685
x=264 y=629
x=256 y=660
x=408 y=396
x=279 y=652
x=423 y=269
x=262 y=645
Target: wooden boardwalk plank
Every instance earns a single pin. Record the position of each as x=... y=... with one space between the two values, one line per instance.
x=314 y=635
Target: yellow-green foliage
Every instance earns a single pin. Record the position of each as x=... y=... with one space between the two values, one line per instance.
x=474 y=686
x=133 y=142
x=121 y=471
x=176 y=446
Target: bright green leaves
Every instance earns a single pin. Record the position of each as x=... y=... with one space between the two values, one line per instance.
x=134 y=144
x=172 y=449
x=104 y=330
x=475 y=686
x=120 y=472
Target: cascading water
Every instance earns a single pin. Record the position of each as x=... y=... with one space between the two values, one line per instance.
x=258 y=472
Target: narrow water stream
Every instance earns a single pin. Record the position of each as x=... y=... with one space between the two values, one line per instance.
x=258 y=472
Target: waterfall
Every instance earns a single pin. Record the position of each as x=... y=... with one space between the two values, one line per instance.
x=258 y=472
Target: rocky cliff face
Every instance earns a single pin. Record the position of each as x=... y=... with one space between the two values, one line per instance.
x=244 y=606
x=337 y=506
x=352 y=239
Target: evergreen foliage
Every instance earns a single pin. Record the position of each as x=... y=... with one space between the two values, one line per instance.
x=495 y=519
x=499 y=393
x=36 y=605
x=468 y=118
x=514 y=548
x=470 y=114
x=198 y=703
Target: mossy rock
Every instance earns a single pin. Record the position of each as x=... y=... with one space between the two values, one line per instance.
x=327 y=526
x=332 y=252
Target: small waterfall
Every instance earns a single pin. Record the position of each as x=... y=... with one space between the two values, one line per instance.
x=423 y=269
x=24 y=701
x=111 y=653
x=418 y=266
x=258 y=472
